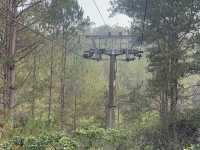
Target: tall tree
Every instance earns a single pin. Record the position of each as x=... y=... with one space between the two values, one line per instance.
x=51 y=82
x=66 y=17
x=9 y=54
x=16 y=44
x=170 y=26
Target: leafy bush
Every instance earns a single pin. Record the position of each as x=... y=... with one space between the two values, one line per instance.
x=83 y=139
x=99 y=138
x=43 y=142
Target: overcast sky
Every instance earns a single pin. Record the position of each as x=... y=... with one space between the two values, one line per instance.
x=91 y=11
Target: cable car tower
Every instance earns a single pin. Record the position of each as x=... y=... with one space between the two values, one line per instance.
x=118 y=45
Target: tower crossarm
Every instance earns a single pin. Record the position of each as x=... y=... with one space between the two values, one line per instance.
x=109 y=36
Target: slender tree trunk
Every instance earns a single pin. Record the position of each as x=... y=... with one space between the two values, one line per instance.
x=62 y=85
x=162 y=105
x=9 y=54
x=164 y=102
x=118 y=116
x=174 y=100
x=75 y=112
x=34 y=86
x=164 y=119
x=1 y=88
x=50 y=84
x=62 y=97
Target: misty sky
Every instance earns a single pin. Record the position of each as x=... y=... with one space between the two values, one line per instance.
x=91 y=11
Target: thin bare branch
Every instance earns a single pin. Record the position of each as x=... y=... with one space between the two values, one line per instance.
x=28 y=8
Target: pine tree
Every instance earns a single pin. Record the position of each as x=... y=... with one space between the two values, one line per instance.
x=170 y=29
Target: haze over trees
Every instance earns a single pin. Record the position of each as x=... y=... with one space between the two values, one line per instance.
x=53 y=98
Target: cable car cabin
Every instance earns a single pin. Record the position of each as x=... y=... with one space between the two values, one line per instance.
x=87 y=54
x=93 y=54
x=130 y=57
x=131 y=54
x=96 y=55
x=139 y=55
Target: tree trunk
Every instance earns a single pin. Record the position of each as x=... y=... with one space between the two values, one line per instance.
x=34 y=86
x=9 y=54
x=163 y=105
x=62 y=85
x=50 y=84
x=174 y=101
x=75 y=112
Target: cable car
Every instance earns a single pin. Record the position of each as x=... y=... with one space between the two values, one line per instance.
x=93 y=54
x=129 y=55
x=87 y=54
x=96 y=54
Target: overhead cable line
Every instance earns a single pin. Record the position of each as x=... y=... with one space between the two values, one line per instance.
x=37 y=32
x=102 y=18
x=143 y=23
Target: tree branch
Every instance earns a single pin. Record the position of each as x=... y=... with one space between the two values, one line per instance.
x=27 y=53
x=28 y=8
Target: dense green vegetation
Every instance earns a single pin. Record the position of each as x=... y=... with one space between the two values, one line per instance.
x=53 y=98
x=90 y=138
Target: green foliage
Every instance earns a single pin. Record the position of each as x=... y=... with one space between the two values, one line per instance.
x=168 y=24
x=83 y=139
x=41 y=142
x=100 y=138
x=194 y=147
x=170 y=29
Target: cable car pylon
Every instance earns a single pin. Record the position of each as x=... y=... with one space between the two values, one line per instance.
x=97 y=54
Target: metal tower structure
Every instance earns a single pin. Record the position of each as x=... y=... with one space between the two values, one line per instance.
x=119 y=45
